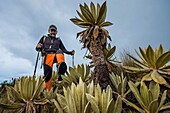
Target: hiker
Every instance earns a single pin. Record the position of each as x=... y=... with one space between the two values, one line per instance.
x=53 y=49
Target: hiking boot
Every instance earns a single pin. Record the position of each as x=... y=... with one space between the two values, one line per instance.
x=59 y=77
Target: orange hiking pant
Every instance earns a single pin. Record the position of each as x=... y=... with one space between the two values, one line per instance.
x=50 y=59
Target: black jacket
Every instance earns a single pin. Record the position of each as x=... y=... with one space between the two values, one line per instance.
x=52 y=44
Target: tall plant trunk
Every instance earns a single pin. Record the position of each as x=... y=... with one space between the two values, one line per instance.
x=101 y=70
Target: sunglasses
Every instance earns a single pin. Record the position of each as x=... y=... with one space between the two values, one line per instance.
x=53 y=30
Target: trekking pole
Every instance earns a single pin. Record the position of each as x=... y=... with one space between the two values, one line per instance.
x=73 y=60
x=41 y=61
x=36 y=62
x=41 y=65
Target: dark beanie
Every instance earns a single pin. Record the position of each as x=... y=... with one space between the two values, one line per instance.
x=52 y=27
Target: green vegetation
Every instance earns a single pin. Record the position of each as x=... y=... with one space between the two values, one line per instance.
x=153 y=65
x=133 y=85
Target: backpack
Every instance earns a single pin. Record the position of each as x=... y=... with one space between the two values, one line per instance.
x=43 y=52
x=44 y=38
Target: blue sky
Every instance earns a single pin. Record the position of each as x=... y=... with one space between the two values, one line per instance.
x=137 y=23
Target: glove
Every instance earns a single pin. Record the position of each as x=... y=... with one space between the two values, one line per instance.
x=72 y=52
x=39 y=47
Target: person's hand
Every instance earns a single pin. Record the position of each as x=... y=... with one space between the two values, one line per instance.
x=72 y=52
x=39 y=47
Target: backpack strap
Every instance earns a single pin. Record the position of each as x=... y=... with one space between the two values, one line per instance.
x=43 y=52
x=44 y=38
x=59 y=40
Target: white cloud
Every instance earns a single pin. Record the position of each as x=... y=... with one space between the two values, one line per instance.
x=12 y=66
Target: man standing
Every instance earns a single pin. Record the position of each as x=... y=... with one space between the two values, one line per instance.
x=52 y=48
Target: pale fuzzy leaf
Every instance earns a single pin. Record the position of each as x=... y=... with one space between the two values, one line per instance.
x=103 y=102
x=140 y=63
x=155 y=90
x=98 y=9
x=42 y=101
x=87 y=14
x=160 y=50
x=87 y=108
x=162 y=72
x=135 y=69
x=147 y=77
x=93 y=103
x=11 y=106
x=166 y=106
x=158 y=78
x=136 y=94
x=141 y=57
x=109 y=95
x=118 y=105
x=57 y=106
x=91 y=88
x=62 y=101
x=163 y=59
x=150 y=55
x=38 y=88
x=166 y=67
x=114 y=80
x=144 y=94
x=111 y=52
x=163 y=98
x=81 y=16
x=153 y=107
x=105 y=24
x=102 y=13
x=93 y=11
x=110 y=107
x=71 y=103
x=133 y=105
x=124 y=84
x=15 y=94
x=143 y=53
x=30 y=89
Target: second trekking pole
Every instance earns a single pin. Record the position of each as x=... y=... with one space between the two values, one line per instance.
x=36 y=63
x=73 y=60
